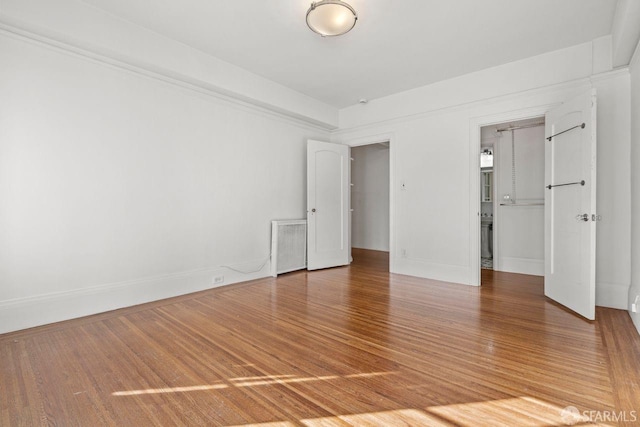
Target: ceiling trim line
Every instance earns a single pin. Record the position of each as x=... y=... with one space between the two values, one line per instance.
x=112 y=59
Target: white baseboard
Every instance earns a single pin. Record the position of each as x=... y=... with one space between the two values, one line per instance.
x=612 y=295
x=530 y=266
x=431 y=270
x=23 y=313
x=634 y=291
x=371 y=247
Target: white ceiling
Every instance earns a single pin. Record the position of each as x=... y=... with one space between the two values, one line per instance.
x=395 y=46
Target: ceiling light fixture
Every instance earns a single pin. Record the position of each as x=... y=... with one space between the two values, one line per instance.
x=331 y=18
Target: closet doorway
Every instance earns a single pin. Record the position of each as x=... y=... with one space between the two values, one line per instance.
x=370 y=195
x=512 y=196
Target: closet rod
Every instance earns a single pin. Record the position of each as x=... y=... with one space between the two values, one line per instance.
x=532 y=125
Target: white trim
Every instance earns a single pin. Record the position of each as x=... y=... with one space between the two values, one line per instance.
x=612 y=295
x=475 y=125
x=531 y=266
x=113 y=60
x=375 y=139
x=432 y=270
x=22 y=313
x=369 y=139
x=475 y=207
x=608 y=75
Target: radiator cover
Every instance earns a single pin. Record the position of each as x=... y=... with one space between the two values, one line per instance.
x=288 y=246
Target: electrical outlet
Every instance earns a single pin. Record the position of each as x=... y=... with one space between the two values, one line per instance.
x=218 y=279
x=403 y=253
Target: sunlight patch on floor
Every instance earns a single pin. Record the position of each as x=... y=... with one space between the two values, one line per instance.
x=170 y=390
x=261 y=377
x=270 y=424
x=367 y=375
x=399 y=417
x=406 y=417
x=247 y=382
x=521 y=411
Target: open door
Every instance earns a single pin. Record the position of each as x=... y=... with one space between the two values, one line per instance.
x=570 y=204
x=327 y=205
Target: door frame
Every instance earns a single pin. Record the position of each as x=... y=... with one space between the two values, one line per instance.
x=475 y=141
x=377 y=139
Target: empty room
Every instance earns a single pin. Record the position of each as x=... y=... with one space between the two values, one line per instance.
x=296 y=213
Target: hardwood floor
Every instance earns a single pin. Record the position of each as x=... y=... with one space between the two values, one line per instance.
x=345 y=346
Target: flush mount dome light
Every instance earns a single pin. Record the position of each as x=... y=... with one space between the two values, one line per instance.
x=331 y=18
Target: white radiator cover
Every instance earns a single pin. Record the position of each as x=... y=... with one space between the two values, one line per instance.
x=288 y=246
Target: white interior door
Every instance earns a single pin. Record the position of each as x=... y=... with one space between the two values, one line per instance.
x=570 y=204
x=327 y=205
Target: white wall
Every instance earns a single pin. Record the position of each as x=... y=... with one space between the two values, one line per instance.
x=431 y=130
x=634 y=290
x=370 y=197
x=119 y=189
x=520 y=229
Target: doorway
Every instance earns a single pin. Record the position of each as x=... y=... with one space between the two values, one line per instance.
x=569 y=206
x=370 y=197
x=512 y=196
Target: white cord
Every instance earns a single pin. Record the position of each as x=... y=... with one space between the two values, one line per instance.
x=248 y=272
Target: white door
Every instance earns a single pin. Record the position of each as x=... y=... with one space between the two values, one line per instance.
x=327 y=205
x=570 y=204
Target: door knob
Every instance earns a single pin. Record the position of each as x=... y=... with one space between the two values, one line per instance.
x=314 y=209
x=582 y=217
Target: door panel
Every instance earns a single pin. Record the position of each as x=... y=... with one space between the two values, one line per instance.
x=570 y=159
x=327 y=204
